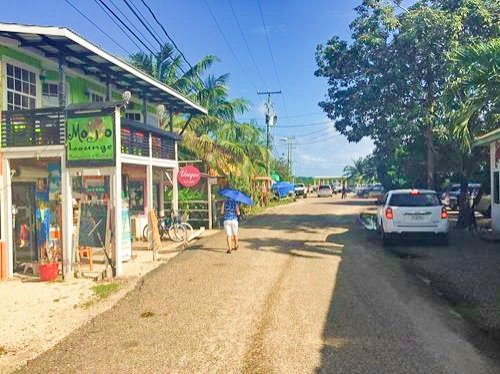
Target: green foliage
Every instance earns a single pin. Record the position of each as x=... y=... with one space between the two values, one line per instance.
x=472 y=95
x=388 y=84
x=226 y=147
x=186 y=194
x=280 y=167
x=362 y=171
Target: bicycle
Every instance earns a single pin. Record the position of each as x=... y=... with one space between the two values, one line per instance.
x=171 y=226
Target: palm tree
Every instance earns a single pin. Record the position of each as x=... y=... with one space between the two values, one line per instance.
x=167 y=67
x=357 y=171
x=473 y=91
x=226 y=146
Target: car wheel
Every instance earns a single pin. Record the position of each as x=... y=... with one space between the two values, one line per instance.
x=385 y=238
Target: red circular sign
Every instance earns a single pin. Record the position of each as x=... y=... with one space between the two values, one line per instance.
x=189 y=176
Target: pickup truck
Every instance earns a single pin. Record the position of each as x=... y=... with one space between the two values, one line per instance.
x=300 y=190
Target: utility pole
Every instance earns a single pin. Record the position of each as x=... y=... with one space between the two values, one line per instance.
x=289 y=141
x=271 y=120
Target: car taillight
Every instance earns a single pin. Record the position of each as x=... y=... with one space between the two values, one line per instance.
x=389 y=214
x=444 y=213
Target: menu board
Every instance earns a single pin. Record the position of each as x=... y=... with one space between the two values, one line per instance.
x=92 y=225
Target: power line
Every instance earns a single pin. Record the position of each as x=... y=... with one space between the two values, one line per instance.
x=320 y=140
x=246 y=42
x=166 y=34
x=98 y=28
x=322 y=131
x=227 y=41
x=125 y=25
x=118 y=25
x=130 y=22
x=304 y=125
x=143 y=23
x=271 y=52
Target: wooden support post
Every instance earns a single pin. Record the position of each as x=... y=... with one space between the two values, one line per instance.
x=7 y=224
x=144 y=108
x=117 y=197
x=67 y=219
x=209 y=191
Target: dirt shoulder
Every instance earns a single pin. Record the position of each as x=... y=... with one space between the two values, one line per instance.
x=466 y=273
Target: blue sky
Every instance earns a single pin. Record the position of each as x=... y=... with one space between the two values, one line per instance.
x=294 y=28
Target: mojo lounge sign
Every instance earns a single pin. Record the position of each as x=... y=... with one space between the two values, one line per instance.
x=189 y=176
x=90 y=141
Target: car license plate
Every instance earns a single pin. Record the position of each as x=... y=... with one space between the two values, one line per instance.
x=417 y=218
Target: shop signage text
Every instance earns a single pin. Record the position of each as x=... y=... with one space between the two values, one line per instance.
x=189 y=176
x=90 y=140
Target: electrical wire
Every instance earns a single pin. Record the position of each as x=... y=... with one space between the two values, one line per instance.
x=167 y=34
x=119 y=26
x=272 y=54
x=227 y=42
x=323 y=131
x=98 y=28
x=320 y=140
x=124 y=24
x=141 y=20
x=246 y=42
x=131 y=23
x=304 y=125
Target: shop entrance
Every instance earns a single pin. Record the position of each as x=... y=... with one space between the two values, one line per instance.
x=36 y=213
x=24 y=235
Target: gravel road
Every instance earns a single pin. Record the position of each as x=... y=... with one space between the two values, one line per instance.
x=307 y=291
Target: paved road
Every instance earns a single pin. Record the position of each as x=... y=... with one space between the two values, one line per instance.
x=308 y=291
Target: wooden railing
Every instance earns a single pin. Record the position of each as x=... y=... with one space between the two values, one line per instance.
x=33 y=127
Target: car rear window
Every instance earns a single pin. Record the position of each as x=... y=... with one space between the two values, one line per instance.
x=324 y=187
x=409 y=200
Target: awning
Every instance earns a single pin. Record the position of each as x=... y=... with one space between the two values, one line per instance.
x=487 y=138
x=86 y=57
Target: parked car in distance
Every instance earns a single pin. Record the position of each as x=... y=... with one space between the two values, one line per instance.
x=376 y=192
x=484 y=206
x=337 y=188
x=411 y=213
x=362 y=191
x=325 y=190
x=450 y=196
x=300 y=190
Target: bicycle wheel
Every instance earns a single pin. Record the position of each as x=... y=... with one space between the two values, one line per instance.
x=177 y=232
x=145 y=233
x=189 y=229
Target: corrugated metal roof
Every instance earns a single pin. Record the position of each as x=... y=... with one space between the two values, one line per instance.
x=85 y=56
x=487 y=138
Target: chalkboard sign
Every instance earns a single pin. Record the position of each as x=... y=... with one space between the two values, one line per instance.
x=92 y=225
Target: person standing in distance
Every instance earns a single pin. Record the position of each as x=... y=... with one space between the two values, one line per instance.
x=230 y=211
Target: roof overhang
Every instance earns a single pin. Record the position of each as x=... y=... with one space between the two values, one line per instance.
x=82 y=55
x=488 y=138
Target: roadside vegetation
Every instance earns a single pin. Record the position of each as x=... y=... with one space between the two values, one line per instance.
x=421 y=83
x=101 y=292
x=225 y=146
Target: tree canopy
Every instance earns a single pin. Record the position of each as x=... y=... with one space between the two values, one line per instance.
x=389 y=82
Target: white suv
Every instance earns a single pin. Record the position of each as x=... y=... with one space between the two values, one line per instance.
x=411 y=212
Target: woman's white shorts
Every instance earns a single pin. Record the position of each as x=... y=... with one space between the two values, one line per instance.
x=231 y=227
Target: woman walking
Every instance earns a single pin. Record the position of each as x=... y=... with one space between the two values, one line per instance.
x=230 y=211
